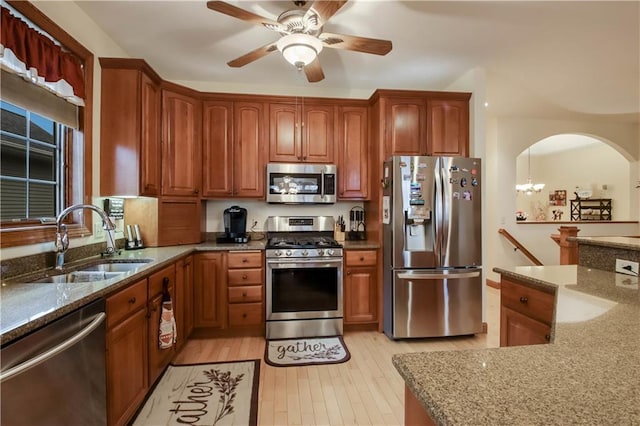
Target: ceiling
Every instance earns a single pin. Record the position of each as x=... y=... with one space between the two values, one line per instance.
x=540 y=59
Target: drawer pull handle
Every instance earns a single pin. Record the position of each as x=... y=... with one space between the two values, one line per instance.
x=245 y=260
x=523 y=299
x=244 y=277
x=132 y=300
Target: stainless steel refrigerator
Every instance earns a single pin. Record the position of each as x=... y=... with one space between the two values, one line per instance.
x=432 y=246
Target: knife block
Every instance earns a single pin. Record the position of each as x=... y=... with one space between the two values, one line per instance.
x=338 y=234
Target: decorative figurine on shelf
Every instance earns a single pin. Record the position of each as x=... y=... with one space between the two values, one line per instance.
x=557 y=214
x=541 y=214
x=520 y=215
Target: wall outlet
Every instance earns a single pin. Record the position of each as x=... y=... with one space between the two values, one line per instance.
x=627 y=267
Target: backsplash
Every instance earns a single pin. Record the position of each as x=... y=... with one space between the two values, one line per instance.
x=604 y=258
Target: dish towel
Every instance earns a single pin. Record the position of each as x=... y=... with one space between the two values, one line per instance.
x=168 y=331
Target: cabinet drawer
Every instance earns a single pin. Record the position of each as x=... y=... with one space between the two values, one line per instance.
x=528 y=301
x=245 y=294
x=125 y=302
x=244 y=259
x=245 y=276
x=360 y=257
x=245 y=314
x=156 y=280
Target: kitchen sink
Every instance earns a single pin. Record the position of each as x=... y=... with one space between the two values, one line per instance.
x=113 y=267
x=104 y=269
x=79 y=277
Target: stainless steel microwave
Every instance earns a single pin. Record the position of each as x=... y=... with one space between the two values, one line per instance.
x=301 y=183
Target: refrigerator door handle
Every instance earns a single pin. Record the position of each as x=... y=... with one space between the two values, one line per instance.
x=437 y=212
x=437 y=276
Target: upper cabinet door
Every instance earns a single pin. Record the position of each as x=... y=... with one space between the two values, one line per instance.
x=217 y=149
x=130 y=129
x=448 y=124
x=317 y=133
x=353 y=153
x=405 y=126
x=181 y=141
x=284 y=133
x=301 y=133
x=150 y=181
x=249 y=151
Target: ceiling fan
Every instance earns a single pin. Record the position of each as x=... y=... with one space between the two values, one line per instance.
x=302 y=36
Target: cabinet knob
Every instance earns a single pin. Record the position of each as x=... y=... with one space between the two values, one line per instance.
x=195 y=191
x=547 y=337
x=245 y=260
x=348 y=272
x=524 y=299
x=244 y=315
x=244 y=294
x=244 y=277
x=304 y=158
x=132 y=300
x=361 y=259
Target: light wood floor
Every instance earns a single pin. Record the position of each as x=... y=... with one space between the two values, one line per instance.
x=366 y=390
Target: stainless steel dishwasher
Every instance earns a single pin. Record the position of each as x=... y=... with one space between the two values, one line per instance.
x=56 y=375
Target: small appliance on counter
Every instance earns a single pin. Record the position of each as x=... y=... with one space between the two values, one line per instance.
x=357 y=231
x=235 y=226
x=134 y=238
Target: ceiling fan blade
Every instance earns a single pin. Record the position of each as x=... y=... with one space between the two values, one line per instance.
x=253 y=55
x=236 y=12
x=323 y=9
x=314 y=71
x=355 y=43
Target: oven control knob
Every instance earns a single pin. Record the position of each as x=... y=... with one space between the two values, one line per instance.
x=330 y=252
x=305 y=253
x=320 y=252
x=288 y=253
x=277 y=253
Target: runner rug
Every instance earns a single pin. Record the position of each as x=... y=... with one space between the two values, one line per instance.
x=220 y=393
x=306 y=351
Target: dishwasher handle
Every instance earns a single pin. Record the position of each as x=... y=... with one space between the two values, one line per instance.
x=50 y=353
x=437 y=276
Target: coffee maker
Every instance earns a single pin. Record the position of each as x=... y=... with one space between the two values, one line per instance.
x=235 y=226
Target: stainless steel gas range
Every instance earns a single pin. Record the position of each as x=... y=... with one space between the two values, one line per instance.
x=304 y=277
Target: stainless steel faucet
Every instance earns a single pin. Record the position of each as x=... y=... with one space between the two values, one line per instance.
x=62 y=239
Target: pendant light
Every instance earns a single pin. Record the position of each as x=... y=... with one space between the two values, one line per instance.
x=529 y=187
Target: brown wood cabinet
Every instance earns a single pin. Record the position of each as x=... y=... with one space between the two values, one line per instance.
x=233 y=161
x=181 y=143
x=130 y=128
x=300 y=132
x=209 y=290
x=448 y=126
x=360 y=287
x=526 y=314
x=245 y=281
x=159 y=358
x=127 y=352
x=184 y=300
x=353 y=153
x=405 y=122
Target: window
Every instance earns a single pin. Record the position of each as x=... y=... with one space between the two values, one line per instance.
x=31 y=172
x=45 y=158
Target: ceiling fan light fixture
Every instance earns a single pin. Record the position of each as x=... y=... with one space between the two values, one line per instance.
x=299 y=49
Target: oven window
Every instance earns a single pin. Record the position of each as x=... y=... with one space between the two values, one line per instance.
x=281 y=183
x=304 y=290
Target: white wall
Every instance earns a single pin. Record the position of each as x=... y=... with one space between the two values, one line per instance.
x=589 y=167
x=507 y=138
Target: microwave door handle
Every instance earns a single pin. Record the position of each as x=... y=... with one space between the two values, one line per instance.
x=322 y=183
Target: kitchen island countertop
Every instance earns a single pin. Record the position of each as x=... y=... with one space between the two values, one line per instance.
x=589 y=374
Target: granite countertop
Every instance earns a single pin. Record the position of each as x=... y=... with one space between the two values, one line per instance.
x=589 y=374
x=25 y=307
x=632 y=243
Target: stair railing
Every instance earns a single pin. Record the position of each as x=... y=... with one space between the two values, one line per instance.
x=518 y=246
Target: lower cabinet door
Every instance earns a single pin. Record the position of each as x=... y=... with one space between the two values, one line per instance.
x=127 y=377
x=517 y=329
x=360 y=301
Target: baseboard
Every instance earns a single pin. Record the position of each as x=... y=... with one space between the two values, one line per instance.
x=493 y=284
x=361 y=327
